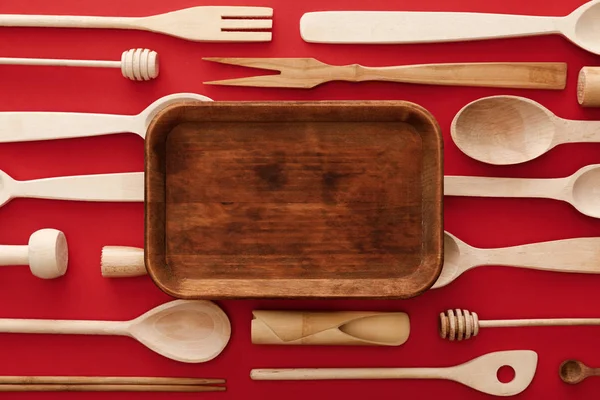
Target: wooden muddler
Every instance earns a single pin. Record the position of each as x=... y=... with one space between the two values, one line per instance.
x=588 y=87
x=347 y=328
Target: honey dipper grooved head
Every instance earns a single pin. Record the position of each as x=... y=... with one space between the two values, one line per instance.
x=458 y=324
x=139 y=64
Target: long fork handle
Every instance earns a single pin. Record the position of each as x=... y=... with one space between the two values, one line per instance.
x=505 y=75
x=66 y=21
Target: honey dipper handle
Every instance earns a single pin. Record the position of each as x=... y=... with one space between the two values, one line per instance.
x=538 y=75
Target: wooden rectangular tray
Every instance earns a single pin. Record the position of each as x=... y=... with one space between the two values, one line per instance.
x=294 y=199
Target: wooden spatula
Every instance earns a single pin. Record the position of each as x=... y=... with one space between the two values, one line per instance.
x=306 y=73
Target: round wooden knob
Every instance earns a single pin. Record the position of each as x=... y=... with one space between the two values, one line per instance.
x=458 y=324
x=139 y=64
x=588 y=87
x=48 y=253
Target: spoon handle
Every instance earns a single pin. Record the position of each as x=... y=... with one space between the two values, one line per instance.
x=570 y=255
x=126 y=187
x=347 y=373
x=8 y=325
x=30 y=126
x=504 y=187
x=577 y=131
x=418 y=27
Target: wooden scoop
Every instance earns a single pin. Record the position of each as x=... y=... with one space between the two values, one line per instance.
x=575 y=371
x=191 y=331
x=505 y=130
x=570 y=255
x=479 y=373
x=581 y=190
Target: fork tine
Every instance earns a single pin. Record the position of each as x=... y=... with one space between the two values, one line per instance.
x=244 y=36
x=273 y=64
x=274 y=81
x=246 y=24
x=241 y=11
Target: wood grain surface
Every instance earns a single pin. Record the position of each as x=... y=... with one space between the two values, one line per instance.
x=315 y=199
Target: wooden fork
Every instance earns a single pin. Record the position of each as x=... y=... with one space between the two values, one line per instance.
x=203 y=23
x=306 y=73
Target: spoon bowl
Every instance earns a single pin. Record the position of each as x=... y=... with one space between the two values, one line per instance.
x=157 y=106
x=453 y=247
x=587 y=30
x=572 y=371
x=504 y=130
x=187 y=331
x=585 y=191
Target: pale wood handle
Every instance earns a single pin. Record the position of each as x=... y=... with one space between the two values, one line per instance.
x=569 y=255
x=111 y=380
x=8 y=325
x=418 y=27
x=506 y=75
x=125 y=187
x=108 y=388
x=579 y=131
x=347 y=373
x=65 y=21
x=504 y=187
x=122 y=262
x=29 y=126
x=14 y=255
x=60 y=62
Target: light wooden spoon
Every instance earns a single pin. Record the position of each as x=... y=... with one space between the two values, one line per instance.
x=480 y=373
x=25 y=126
x=581 y=190
x=570 y=255
x=191 y=331
x=505 y=130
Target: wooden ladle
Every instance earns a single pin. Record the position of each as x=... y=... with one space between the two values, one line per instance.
x=569 y=255
x=581 y=190
x=574 y=371
x=191 y=331
x=505 y=130
x=480 y=373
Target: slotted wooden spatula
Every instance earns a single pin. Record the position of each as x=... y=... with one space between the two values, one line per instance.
x=306 y=73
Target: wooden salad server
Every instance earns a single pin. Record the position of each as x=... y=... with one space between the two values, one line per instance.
x=123 y=187
x=190 y=331
x=458 y=324
x=46 y=253
x=202 y=23
x=581 y=189
x=580 y=27
x=480 y=373
x=576 y=255
x=25 y=126
x=306 y=73
x=347 y=328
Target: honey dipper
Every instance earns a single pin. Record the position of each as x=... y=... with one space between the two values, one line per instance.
x=135 y=64
x=460 y=324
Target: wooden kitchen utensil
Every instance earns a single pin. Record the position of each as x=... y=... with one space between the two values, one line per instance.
x=575 y=371
x=29 y=126
x=135 y=64
x=125 y=187
x=580 y=189
x=580 y=27
x=47 y=254
x=480 y=373
x=122 y=262
x=505 y=130
x=182 y=330
x=588 y=87
x=460 y=324
x=294 y=199
x=306 y=73
x=347 y=328
x=204 y=23
x=108 y=384
x=570 y=255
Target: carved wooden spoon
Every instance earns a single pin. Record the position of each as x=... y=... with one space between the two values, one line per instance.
x=574 y=371
x=505 y=130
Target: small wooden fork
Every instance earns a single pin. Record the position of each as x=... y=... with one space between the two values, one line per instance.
x=306 y=73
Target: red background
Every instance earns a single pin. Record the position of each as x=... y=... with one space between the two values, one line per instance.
x=83 y=294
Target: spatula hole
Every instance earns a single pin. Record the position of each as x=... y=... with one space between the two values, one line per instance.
x=505 y=374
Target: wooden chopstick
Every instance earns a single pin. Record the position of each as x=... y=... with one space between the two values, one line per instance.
x=110 y=380
x=108 y=384
x=107 y=388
